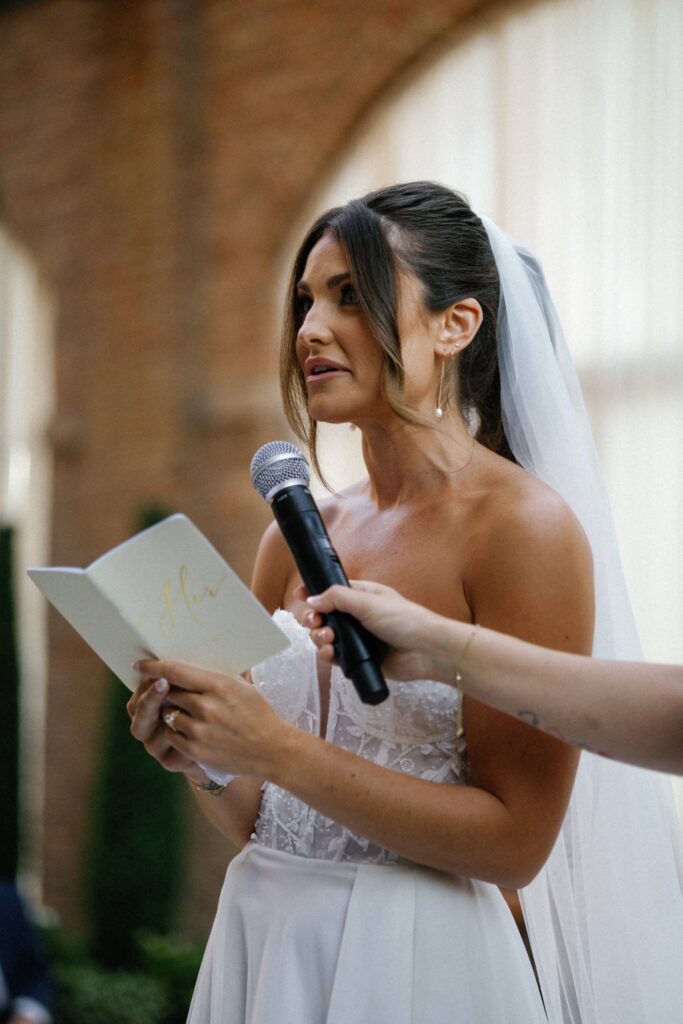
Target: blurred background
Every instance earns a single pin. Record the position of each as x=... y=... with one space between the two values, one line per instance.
x=159 y=160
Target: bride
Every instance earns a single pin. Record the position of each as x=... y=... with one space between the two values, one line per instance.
x=375 y=841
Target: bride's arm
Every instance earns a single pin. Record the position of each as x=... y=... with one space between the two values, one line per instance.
x=536 y=580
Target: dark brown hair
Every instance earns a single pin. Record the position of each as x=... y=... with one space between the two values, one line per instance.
x=431 y=232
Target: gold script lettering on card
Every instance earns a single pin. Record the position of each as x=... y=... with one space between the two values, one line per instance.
x=179 y=597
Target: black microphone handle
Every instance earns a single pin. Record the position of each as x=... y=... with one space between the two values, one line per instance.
x=358 y=652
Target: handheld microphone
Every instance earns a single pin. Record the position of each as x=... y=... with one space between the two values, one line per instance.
x=280 y=474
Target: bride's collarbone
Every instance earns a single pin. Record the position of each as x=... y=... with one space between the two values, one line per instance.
x=403 y=558
x=421 y=573
x=421 y=551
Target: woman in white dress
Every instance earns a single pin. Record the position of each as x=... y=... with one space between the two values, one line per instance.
x=376 y=841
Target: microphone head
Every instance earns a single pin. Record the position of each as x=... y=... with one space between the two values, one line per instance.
x=276 y=465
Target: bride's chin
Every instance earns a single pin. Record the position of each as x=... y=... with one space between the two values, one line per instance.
x=320 y=414
x=344 y=409
x=330 y=419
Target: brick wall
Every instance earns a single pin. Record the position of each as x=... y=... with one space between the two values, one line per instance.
x=153 y=154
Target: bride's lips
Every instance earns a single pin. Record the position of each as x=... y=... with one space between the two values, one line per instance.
x=318 y=369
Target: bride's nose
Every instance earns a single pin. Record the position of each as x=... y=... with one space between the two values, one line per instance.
x=315 y=329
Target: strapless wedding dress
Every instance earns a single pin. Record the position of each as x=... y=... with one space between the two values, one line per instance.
x=316 y=925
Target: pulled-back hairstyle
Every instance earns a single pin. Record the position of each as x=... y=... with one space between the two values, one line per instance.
x=433 y=233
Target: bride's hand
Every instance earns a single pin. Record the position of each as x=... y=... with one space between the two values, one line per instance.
x=145 y=709
x=402 y=624
x=221 y=721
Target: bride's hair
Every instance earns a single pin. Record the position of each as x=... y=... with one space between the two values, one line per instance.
x=431 y=232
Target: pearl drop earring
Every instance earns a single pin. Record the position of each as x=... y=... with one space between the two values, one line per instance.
x=438 y=412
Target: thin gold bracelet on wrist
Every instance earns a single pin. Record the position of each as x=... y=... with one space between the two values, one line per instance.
x=210 y=787
x=470 y=638
x=459 y=719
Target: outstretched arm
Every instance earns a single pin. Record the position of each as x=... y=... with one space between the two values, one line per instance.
x=631 y=711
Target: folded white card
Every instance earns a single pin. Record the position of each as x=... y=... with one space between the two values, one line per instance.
x=165 y=593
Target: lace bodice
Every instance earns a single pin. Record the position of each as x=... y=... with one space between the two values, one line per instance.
x=413 y=731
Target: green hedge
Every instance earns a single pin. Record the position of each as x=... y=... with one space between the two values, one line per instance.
x=88 y=994
x=157 y=990
x=175 y=963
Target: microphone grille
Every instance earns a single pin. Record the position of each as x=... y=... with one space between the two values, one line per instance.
x=276 y=463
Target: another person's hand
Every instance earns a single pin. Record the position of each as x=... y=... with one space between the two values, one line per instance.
x=408 y=628
x=221 y=721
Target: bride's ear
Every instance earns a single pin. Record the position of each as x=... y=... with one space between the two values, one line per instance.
x=459 y=325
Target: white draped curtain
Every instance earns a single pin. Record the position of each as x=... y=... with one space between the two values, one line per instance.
x=563 y=121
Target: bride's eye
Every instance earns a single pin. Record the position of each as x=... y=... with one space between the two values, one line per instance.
x=348 y=296
x=302 y=305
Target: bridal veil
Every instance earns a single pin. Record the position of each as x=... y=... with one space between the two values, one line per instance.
x=605 y=914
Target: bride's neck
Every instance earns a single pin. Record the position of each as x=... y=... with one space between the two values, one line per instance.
x=407 y=462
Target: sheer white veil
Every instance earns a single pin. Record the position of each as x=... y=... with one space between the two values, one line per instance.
x=605 y=915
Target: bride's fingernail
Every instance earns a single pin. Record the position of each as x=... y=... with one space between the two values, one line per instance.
x=314 y=600
x=309 y=618
x=161 y=685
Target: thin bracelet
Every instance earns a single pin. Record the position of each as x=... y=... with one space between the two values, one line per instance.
x=470 y=638
x=459 y=718
x=210 y=787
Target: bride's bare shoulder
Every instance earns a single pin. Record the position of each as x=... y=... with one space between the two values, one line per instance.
x=529 y=567
x=523 y=519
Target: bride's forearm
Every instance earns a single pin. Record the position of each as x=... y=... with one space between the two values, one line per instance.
x=462 y=830
x=233 y=811
x=628 y=710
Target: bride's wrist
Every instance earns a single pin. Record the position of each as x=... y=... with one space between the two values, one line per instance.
x=286 y=752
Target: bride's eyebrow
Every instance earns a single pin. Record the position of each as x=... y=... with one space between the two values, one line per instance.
x=331 y=282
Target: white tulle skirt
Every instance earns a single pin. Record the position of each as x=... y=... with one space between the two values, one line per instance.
x=299 y=941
